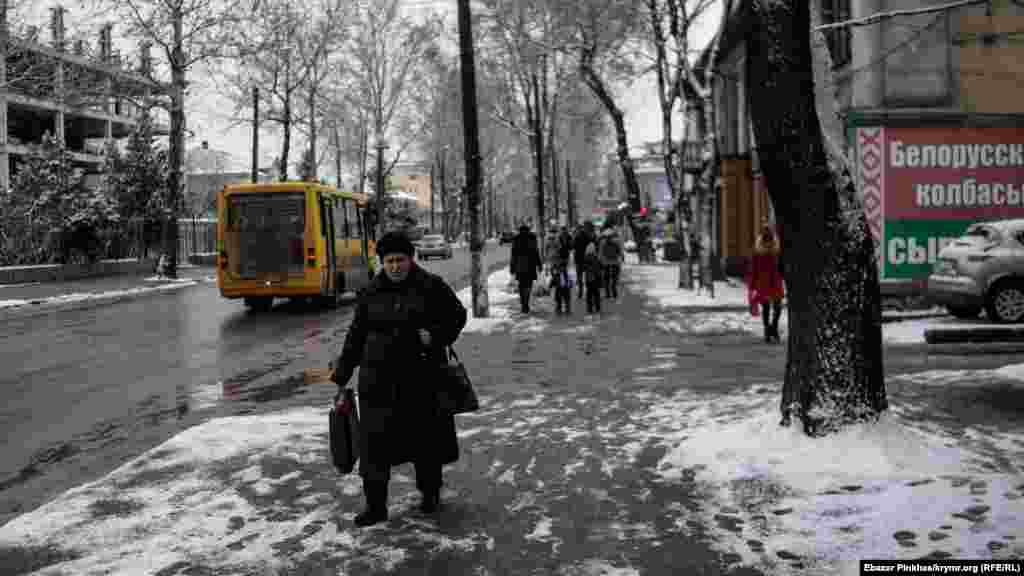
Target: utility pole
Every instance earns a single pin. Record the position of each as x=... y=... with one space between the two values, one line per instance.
x=381 y=147
x=471 y=138
x=255 y=134
x=337 y=154
x=432 y=192
x=311 y=174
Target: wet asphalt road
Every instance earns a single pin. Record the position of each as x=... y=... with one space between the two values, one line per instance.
x=83 y=391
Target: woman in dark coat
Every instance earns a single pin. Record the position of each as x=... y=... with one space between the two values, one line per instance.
x=525 y=264
x=404 y=322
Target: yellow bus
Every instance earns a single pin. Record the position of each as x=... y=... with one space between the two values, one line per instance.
x=294 y=240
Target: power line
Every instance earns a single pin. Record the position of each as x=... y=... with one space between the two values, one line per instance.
x=875 y=18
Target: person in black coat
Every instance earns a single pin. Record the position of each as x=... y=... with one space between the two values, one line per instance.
x=584 y=236
x=404 y=321
x=525 y=264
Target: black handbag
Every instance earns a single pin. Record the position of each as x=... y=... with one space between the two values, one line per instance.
x=344 y=433
x=455 y=393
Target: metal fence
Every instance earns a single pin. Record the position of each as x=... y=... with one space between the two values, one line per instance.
x=196 y=236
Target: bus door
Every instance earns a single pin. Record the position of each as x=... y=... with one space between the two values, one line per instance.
x=327 y=231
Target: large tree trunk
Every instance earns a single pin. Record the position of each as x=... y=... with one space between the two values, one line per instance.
x=176 y=150
x=834 y=373
x=537 y=126
x=596 y=85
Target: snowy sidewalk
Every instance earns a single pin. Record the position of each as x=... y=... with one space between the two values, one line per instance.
x=641 y=441
x=18 y=300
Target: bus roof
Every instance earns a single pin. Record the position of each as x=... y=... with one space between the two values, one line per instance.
x=285 y=187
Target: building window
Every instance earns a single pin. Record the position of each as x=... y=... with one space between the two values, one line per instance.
x=838 y=38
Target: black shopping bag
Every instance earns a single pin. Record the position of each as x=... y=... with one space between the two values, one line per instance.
x=344 y=433
x=455 y=391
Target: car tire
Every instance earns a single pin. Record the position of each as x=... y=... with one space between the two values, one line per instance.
x=965 y=312
x=1005 y=302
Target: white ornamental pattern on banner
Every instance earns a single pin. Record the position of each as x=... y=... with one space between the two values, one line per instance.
x=869 y=154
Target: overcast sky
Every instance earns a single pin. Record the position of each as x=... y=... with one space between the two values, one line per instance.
x=209 y=115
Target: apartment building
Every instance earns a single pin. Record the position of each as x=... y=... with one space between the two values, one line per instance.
x=86 y=97
x=933 y=111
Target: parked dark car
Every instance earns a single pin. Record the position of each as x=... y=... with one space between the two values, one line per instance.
x=984 y=268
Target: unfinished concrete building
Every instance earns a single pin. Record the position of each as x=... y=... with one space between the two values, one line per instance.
x=84 y=96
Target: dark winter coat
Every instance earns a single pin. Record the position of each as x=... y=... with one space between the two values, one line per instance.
x=525 y=263
x=397 y=374
x=592 y=269
x=564 y=246
x=579 y=245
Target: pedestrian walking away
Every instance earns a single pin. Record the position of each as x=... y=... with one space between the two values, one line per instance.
x=404 y=322
x=765 y=283
x=584 y=236
x=592 y=274
x=525 y=264
x=611 y=255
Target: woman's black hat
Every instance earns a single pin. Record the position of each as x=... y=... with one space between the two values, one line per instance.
x=395 y=242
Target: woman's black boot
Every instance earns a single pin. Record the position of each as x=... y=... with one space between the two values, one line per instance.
x=376 y=504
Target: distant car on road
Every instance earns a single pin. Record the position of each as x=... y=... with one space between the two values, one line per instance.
x=984 y=268
x=506 y=237
x=433 y=246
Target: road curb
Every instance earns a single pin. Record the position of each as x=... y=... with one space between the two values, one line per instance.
x=43 y=307
x=984 y=335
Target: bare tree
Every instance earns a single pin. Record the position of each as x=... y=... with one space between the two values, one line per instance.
x=605 y=33
x=283 y=48
x=186 y=32
x=671 y=54
x=388 y=62
x=834 y=374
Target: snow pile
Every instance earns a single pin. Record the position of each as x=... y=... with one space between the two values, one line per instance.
x=500 y=299
x=78 y=297
x=788 y=503
x=661 y=283
x=503 y=307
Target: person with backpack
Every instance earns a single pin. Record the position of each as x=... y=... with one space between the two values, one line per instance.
x=584 y=236
x=611 y=255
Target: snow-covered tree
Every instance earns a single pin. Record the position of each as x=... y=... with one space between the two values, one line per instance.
x=52 y=193
x=834 y=374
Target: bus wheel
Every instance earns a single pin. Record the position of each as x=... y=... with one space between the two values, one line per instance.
x=259 y=304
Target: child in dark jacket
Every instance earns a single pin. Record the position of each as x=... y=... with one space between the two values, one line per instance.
x=561 y=285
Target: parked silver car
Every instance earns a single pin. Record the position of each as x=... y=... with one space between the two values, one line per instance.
x=984 y=268
x=433 y=246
